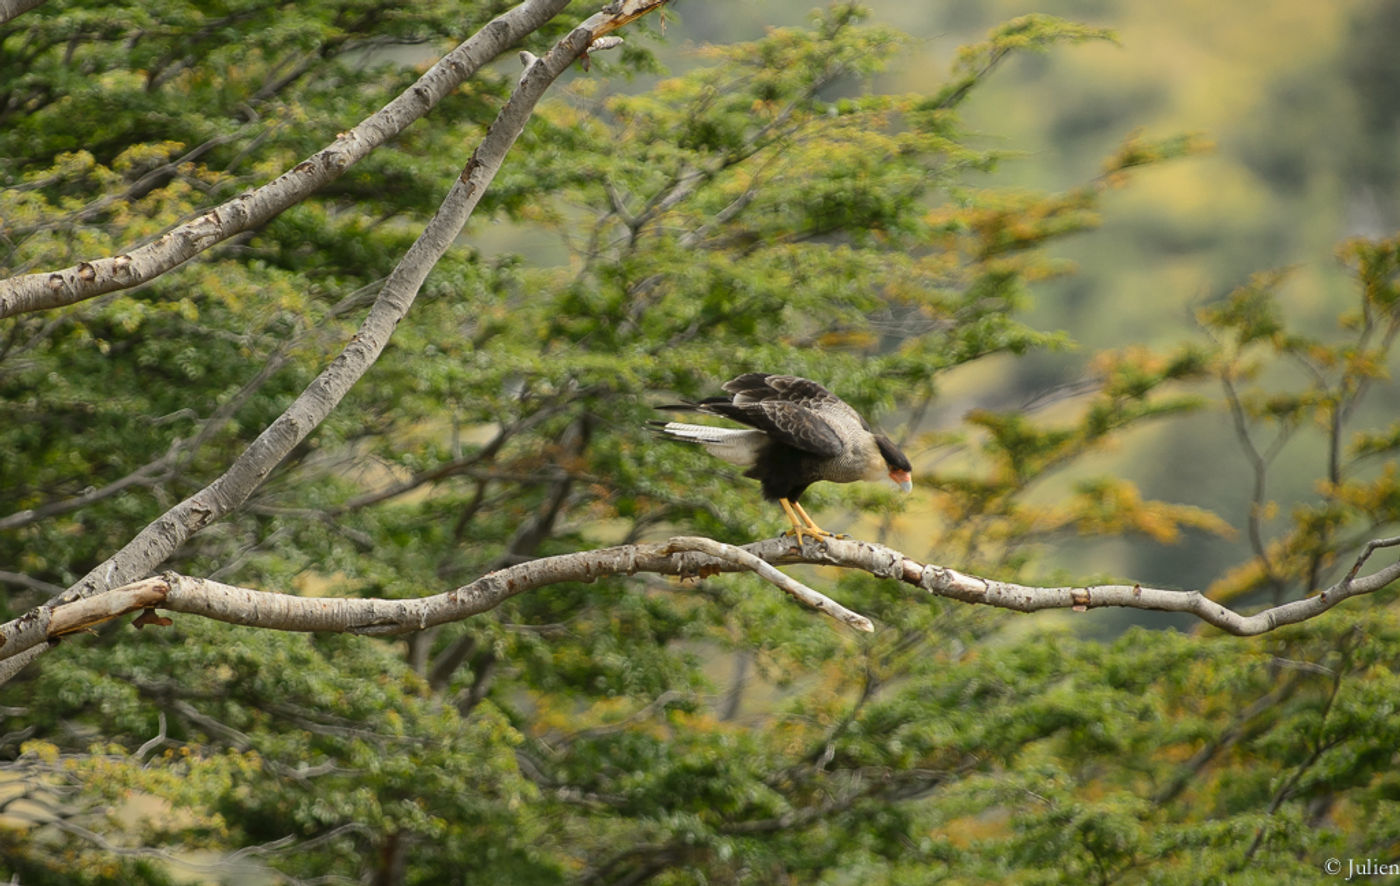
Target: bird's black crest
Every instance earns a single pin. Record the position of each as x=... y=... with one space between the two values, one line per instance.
x=893 y=457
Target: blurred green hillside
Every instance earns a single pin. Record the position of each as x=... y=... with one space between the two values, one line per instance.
x=1301 y=101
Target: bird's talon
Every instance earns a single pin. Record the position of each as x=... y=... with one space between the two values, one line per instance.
x=801 y=534
x=796 y=534
x=818 y=537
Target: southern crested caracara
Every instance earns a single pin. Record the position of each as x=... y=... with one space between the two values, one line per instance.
x=798 y=433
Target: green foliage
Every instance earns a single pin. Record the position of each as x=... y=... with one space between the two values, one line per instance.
x=1357 y=495
x=1035 y=33
x=770 y=209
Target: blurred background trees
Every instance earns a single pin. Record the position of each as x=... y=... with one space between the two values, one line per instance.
x=847 y=198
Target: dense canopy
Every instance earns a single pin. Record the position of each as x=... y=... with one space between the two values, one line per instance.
x=775 y=203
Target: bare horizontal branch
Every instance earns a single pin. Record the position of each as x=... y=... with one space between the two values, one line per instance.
x=86 y=279
x=682 y=557
x=82 y=614
x=685 y=556
x=955 y=585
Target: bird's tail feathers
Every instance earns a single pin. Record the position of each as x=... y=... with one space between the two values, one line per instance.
x=735 y=445
x=680 y=430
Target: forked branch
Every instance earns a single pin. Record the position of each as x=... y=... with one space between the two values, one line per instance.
x=683 y=557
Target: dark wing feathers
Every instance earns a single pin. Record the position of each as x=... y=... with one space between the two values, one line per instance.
x=758 y=387
x=786 y=408
x=794 y=425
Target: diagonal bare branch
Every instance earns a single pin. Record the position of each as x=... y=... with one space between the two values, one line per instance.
x=147 y=474
x=181 y=450
x=154 y=544
x=11 y=8
x=87 y=279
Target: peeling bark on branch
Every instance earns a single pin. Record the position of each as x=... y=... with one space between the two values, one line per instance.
x=682 y=557
x=87 y=279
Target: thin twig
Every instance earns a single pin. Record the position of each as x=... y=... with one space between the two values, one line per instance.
x=1365 y=555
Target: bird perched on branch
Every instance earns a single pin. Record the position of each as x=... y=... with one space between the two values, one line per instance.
x=798 y=433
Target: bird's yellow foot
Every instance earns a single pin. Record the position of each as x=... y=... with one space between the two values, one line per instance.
x=816 y=534
x=811 y=526
x=802 y=524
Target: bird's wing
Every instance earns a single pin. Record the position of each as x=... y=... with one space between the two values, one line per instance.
x=795 y=425
x=758 y=387
x=787 y=408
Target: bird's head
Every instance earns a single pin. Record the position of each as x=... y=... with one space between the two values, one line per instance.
x=896 y=463
x=903 y=479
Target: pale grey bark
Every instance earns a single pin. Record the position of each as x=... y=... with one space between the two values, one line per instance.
x=681 y=557
x=87 y=279
x=11 y=8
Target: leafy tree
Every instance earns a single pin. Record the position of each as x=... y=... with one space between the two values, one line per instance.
x=770 y=208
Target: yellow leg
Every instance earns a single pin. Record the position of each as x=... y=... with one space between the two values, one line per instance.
x=801 y=523
x=797 y=528
x=812 y=526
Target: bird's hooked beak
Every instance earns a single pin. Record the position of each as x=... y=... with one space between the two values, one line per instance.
x=903 y=480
